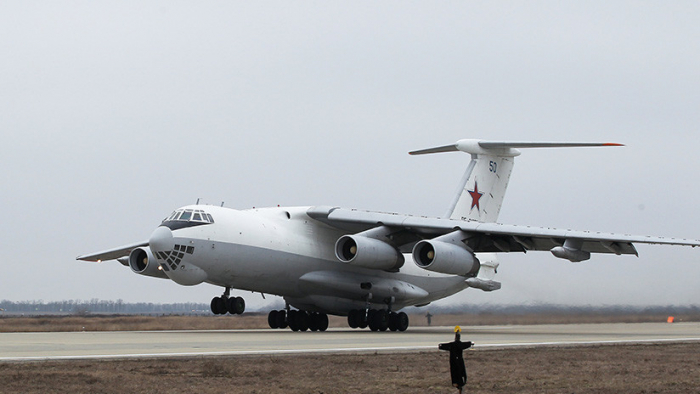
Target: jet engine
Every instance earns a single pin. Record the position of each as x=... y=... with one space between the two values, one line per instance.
x=142 y=262
x=445 y=258
x=368 y=252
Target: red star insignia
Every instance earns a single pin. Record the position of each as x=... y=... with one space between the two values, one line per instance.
x=476 y=196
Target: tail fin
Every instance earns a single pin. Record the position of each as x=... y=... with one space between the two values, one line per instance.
x=484 y=184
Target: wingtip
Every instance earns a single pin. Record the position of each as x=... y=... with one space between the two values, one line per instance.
x=612 y=144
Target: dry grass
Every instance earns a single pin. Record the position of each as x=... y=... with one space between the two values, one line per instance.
x=667 y=368
x=251 y=321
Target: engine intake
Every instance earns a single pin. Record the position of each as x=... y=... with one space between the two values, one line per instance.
x=368 y=252
x=142 y=262
x=445 y=258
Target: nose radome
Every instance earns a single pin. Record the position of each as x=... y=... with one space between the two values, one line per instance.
x=161 y=240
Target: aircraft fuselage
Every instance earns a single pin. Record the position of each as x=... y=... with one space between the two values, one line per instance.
x=283 y=251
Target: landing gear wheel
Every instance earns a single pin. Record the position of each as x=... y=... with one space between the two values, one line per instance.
x=218 y=305
x=362 y=321
x=272 y=319
x=292 y=320
x=402 y=320
x=370 y=319
x=303 y=320
x=235 y=306
x=353 y=318
x=322 y=321
x=281 y=319
x=378 y=320
x=383 y=320
x=240 y=305
x=318 y=322
x=313 y=321
x=393 y=321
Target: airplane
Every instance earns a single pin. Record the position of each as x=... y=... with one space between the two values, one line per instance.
x=329 y=260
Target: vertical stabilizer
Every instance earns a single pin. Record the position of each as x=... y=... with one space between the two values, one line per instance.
x=483 y=188
x=485 y=181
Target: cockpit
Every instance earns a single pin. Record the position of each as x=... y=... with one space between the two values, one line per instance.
x=188 y=217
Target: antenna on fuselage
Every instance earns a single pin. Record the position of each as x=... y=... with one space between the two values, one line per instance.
x=197 y=203
x=222 y=203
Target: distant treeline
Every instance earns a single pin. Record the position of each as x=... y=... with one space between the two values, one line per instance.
x=100 y=306
x=78 y=307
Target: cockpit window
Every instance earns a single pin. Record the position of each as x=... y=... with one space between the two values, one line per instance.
x=186 y=215
x=190 y=215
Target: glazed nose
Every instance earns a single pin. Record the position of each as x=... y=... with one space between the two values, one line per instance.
x=161 y=240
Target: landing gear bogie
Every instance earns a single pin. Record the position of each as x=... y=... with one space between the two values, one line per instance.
x=224 y=304
x=378 y=320
x=298 y=320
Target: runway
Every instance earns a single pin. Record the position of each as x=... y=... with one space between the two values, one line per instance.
x=131 y=344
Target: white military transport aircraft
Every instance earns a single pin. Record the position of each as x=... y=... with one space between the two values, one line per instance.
x=328 y=260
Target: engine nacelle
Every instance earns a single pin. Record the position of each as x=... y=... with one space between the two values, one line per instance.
x=445 y=258
x=573 y=255
x=368 y=252
x=142 y=262
x=571 y=250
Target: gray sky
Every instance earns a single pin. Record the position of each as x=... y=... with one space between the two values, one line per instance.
x=112 y=114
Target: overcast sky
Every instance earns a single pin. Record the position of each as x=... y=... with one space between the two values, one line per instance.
x=113 y=114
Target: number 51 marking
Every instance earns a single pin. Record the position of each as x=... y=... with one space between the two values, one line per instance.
x=493 y=166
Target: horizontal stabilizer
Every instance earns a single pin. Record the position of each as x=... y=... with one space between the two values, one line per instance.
x=439 y=149
x=504 y=145
x=483 y=147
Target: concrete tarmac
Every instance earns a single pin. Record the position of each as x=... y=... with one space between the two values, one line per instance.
x=129 y=344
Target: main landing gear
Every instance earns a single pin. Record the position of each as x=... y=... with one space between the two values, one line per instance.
x=225 y=304
x=298 y=320
x=378 y=320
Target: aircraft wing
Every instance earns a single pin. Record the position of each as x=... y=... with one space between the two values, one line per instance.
x=112 y=254
x=484 y=237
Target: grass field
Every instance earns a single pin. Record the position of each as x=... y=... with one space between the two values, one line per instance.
x=668 y=368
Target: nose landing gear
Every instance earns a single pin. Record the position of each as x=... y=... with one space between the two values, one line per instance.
x=225 y=304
